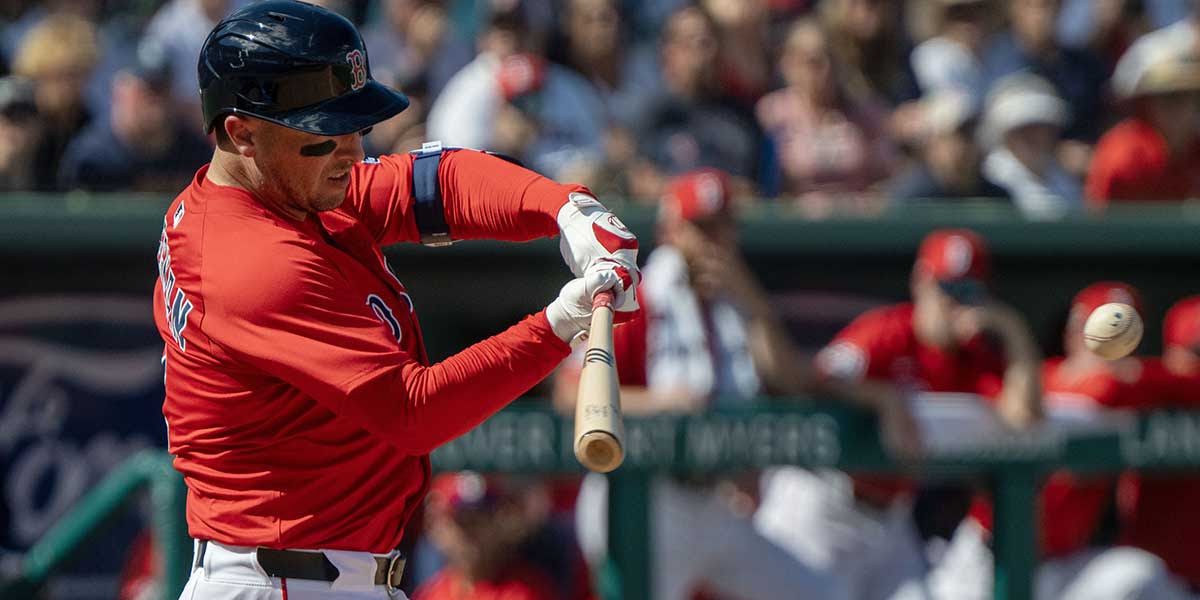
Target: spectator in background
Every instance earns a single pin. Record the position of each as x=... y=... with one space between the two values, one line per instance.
x=1022 y=121
x=950 y=162
x=951 y=58
x=593 y=45
x=141 y=146
x=744 y=66
x=1080 y=390
x=180 y=27
x=509 y=99
x=58 y=55
x=1159 y=509
x=1179 y=40
x=952 y=337
x=708 y=338
x=694 y=124
x=866 y=44
x=20 y=131
x=1106 y=28
x=411 y=46
x=550 y=117
x=827 y=141
x=1155 y=153
x=1030 y=45
x=480 y=526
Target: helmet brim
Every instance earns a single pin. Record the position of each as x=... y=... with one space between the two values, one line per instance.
x=348 y=113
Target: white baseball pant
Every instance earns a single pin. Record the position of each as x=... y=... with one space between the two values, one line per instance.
x=698 y=542
x=233 y=573
x=1120 y=573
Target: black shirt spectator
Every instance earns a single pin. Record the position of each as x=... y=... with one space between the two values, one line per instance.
x=140 y=146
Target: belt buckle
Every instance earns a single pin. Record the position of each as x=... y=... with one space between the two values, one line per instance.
x=395 y=560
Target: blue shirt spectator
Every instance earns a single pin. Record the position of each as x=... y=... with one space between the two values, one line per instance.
x=1031 y=45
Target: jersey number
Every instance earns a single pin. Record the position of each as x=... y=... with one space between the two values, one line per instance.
x=384 y=312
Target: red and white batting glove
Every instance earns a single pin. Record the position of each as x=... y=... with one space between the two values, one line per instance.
x=570 y=314
x=592 y=237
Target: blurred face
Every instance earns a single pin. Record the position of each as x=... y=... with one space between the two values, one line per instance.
x=17 y=140
x=1182 y=361
x=593 y=26
x=302 y=172
x=1175 y=115
x=806 y=63
x=934 y=313
x=865 y=18
x=1033 y=21
x=689 y=45
x=475 y=541
x=951 y=152
x=59 y=93
x=1033 y=144
x=139 y=112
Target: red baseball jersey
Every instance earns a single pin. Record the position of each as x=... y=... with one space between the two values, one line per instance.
x=881 y=345
x=301 y=407
x=1072 y=505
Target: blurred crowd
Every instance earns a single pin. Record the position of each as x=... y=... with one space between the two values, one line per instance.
x=1053 y=107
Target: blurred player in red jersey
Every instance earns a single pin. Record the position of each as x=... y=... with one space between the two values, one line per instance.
x=953 y=337
x=480 y=526
x=1160 y=509
x=1080 y=391
x=301 y=406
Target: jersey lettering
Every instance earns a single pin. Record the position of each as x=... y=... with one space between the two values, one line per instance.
x=384 y=312
x=175 y=301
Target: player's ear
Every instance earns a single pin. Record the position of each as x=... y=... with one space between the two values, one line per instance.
x=240 y=133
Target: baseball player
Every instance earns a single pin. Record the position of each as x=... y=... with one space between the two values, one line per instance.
x=301 y=405
x=1080 y=388
x=1160 y=512
x=952 y=338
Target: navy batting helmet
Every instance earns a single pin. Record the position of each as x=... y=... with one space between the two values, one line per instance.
x=294 y=64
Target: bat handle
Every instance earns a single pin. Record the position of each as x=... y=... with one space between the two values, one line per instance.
x=602 y=299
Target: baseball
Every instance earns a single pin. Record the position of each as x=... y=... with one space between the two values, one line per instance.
x=1113 y=330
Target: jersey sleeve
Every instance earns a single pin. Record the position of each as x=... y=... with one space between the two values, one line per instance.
x=297 y=323
x=860 y=351
x=483 y=197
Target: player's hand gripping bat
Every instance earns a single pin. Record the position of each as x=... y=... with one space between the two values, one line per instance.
x=598 y=424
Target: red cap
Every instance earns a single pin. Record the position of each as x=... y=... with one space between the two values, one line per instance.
x=1102 y=292
x=1181 y=325
x=959 y=260
x=465 y=490
x=521 y=74
x=697 y=195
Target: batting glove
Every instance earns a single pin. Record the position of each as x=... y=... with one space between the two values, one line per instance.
x=592 y=236
x=570 y=314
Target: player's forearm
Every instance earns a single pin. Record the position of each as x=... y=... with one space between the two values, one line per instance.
x=435 y=404
x=1020 y=401
x=486 y=197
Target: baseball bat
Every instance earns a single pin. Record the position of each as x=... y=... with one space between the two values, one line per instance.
x=598 y=425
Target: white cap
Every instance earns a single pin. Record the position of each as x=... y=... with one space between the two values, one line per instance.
x=1017 y=100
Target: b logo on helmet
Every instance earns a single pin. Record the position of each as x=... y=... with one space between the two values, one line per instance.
x=358 y=69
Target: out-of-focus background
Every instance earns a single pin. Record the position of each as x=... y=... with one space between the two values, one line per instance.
x=831 y=136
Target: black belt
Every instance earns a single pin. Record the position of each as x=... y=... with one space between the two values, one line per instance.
x=299 y=564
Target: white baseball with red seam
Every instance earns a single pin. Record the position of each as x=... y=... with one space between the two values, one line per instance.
x=1113 y=330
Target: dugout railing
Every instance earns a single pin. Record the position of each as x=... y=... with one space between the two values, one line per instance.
x=528 y=438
